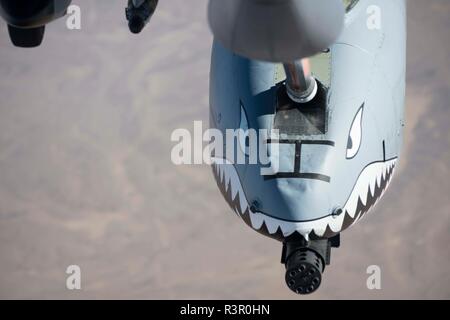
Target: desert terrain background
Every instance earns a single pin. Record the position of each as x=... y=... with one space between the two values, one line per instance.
x=86 y=176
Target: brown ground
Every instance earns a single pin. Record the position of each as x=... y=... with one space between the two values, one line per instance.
x=86 y=177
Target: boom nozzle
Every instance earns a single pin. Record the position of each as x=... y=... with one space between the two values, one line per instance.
x=136 y=24
x=138 y=13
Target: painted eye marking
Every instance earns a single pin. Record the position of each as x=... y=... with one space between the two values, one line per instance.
x=355 y=135
x=243 y=138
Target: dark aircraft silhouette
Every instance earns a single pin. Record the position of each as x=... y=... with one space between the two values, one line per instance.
x=27 y=19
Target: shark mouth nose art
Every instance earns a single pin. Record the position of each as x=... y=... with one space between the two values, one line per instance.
x=368 y=189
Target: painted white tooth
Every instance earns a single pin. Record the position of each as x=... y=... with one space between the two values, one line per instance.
x=373 y=179
x=227 y=172
x=272 y=226
x=372 y=183
x=256 y=220
x=379 y=174
x=363 y=195
x=392 y=176
x=388 y=182
x=351 y=204
x=394 y=167
x=360 y=190
x=385 y=168
x=288 y=228
x=333 y=223
x=367 y=182
x=370 y=172
x=306 y=236
x=306 y=229
x=336 y=222
x=319 y=231
x=235 y=185
x=222 y=177
x=243 y=201
x=220 y=172
x=227 y=175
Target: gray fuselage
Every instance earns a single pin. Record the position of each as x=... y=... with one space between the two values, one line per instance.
x=337 y=155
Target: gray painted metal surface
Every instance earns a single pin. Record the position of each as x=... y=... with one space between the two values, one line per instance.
x=264 y=29
x=340 y=173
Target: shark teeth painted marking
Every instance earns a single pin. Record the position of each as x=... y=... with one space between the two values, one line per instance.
x=369 y=188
